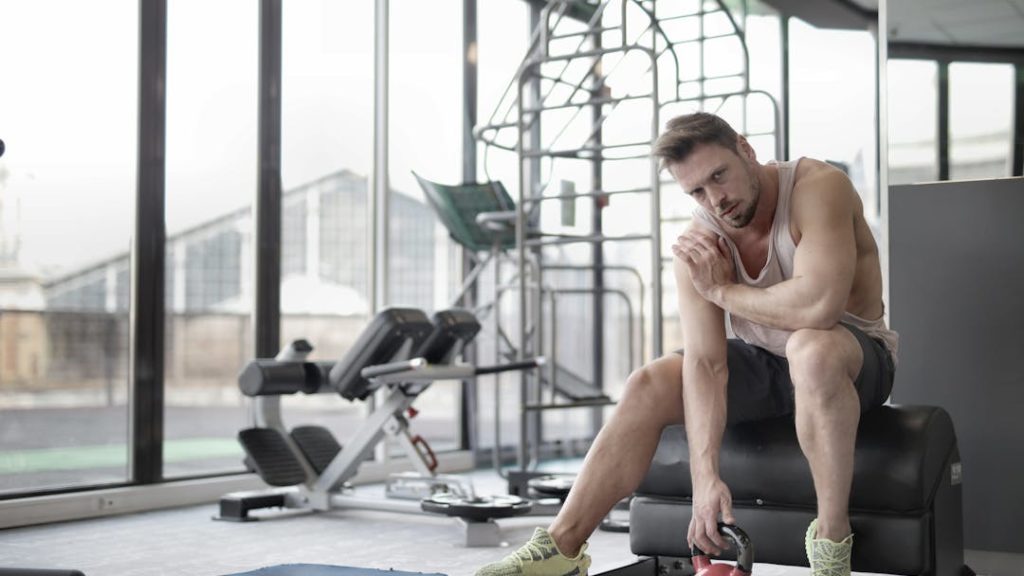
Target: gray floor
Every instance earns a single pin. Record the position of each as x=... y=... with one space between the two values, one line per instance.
x=186 y=541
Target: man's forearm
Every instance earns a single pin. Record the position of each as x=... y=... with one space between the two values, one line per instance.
x=704 y=403
x=789 y=305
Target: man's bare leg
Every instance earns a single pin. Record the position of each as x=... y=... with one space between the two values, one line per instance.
x=823 y=365
x=621 y=454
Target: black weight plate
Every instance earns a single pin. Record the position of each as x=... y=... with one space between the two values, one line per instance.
x=479 y=509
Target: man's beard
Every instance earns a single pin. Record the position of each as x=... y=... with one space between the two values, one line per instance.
x=741 y=219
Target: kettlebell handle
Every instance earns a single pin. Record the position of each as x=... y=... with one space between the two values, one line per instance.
x=744 y=549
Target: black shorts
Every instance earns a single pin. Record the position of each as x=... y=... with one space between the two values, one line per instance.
x=760 y=386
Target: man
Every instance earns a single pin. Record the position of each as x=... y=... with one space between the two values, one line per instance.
x=782 y=254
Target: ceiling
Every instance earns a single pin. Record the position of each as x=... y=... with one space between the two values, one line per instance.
x=989 y=23
x=952 y=23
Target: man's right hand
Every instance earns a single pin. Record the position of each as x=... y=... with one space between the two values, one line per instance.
x=711 y=500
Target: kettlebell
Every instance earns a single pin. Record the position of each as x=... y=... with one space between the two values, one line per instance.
x=744 y=555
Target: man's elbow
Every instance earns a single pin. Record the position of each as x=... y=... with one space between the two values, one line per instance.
x=822 y=315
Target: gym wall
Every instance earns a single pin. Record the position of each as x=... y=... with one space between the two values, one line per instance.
x=957 y=301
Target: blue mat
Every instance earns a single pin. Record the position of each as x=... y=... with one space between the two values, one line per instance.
x=325 y=570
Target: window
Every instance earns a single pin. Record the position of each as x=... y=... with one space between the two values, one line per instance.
x=913 y=121
x=425 y=134
x=980 y=120
x=212 y=51
x=67 y=182
x=832 y=102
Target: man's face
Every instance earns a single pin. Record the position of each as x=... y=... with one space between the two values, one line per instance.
x=721 y=181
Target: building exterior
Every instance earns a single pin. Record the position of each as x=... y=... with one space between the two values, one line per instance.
x=70 y=333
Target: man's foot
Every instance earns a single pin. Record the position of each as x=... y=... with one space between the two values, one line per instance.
x=827 y=558
x=539 y=557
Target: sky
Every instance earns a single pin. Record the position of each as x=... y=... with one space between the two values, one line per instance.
x=68 y=106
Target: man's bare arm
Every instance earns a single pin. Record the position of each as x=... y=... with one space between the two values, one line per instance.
x=705 y=377
x=823 y=267
x=705 y=374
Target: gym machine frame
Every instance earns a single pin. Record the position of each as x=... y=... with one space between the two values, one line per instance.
x=310 y=468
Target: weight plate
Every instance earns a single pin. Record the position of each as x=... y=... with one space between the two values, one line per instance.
x=479 y=509
x=552 y=485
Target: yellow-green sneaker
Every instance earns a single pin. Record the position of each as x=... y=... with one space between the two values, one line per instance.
x=827 y=558
x=539 y=557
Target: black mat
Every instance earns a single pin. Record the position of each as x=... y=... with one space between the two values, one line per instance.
x=325 y=570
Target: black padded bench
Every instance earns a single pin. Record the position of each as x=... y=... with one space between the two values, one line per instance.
x=905 y=506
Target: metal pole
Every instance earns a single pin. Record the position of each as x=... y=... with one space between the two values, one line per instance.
x=656 y=318
x=146 y=368
x=1018 y=122
x=943 y=119
x=378 y=192
x=470 y=400
x=267 y=213
x=784 y=96
x=597 y=228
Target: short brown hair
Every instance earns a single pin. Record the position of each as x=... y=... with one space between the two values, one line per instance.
x=685 y=132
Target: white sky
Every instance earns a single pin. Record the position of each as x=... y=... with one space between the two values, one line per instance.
x=68 y=105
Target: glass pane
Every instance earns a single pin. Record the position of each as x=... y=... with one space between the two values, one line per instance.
x=503 y=35
x=980 y=120
x=425 y=123
x=67 y=181
x=326 y=157
x=212 y=59
x=832 y=102
x=913 y=121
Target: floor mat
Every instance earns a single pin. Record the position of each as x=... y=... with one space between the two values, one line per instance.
x=325 y=570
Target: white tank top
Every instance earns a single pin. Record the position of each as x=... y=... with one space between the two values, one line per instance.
x=779 y=267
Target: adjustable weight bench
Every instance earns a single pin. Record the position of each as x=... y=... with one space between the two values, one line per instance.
x=401 y=349
x=905 y=504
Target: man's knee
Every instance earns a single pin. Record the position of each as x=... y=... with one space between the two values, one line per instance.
x=821 y=359
x=654 y=386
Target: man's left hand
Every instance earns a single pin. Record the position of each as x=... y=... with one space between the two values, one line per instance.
x=709 y=260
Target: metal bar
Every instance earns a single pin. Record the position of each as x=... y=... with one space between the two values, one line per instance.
x=877 y=160
x=586 y=54
x=784 y=90
x=575 y=404
x=469 y=89
x=955 y=53
x=586 y=239
x=594 y=194
x=267 y=216
x=147 y=310
x=378 y=192
x=943 y=120
x=597 y=228
x=468 y=424
x=524 y=180
x=593 y=102
x=588 y=149
x=655 y=179
x=685 y=16
x=469 y=283
x=703 y=38
x=583 y=33
x=702 y=78
x=1018 y=122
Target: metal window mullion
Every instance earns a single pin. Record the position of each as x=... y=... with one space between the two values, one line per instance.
x=146 y=315
x=784 y=95
x=378 y=192
x=470 y=401
x=267 y=211
x=1018 y=122
x=943 y=119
